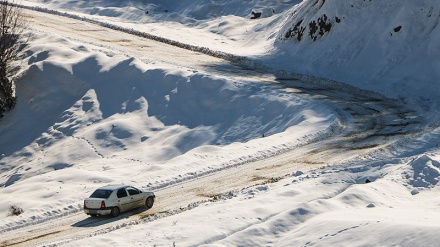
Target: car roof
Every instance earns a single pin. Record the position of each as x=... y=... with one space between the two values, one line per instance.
x=113 y=186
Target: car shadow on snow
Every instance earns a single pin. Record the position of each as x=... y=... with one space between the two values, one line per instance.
x=102 y=220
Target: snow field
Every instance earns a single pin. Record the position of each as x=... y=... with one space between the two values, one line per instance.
x=90 y=116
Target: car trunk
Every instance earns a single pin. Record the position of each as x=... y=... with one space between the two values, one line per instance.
x=93 y=203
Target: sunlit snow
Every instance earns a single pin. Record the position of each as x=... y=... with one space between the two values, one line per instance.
x=92 y=113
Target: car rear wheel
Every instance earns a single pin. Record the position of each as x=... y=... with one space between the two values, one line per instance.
x=149 y=202
x=115 y=212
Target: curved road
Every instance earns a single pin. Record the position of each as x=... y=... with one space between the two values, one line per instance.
x=366 y=124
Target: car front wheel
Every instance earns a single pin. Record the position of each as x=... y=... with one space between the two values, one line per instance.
x=149 y=202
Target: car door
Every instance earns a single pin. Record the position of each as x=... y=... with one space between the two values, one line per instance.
x=136 y=197
x=124 y=200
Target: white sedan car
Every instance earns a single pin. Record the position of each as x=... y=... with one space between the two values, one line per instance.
x=113 y=199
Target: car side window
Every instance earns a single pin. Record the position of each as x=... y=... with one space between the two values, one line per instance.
x=121 y=193
x=132 y=191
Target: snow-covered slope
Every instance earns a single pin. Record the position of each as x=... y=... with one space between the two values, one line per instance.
x=183 y=11
x=102 y=109
x=388 y=46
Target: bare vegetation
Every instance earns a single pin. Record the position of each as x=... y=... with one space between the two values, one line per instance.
x=13 y=25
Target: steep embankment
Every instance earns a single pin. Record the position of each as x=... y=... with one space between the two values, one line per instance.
x=388 y=46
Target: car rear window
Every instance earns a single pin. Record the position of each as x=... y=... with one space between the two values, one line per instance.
x=104 y=194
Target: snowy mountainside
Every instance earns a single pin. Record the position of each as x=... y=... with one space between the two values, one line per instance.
x=388 y=46
x=186 y=11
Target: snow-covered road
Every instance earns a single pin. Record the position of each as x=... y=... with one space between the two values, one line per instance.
x=133 y=46
x=367 y=125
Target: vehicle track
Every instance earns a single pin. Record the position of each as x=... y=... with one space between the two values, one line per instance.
x=367 y=123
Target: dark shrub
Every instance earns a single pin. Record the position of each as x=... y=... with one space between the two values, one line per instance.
x=15 y=210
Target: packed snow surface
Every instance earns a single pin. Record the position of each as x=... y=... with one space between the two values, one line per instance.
x=98 y=107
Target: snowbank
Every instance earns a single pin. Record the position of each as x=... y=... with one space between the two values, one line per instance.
x=85 y=117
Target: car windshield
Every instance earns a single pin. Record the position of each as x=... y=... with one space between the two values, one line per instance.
x=104 y=194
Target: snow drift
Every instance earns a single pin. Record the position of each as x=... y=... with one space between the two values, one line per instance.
x=86 y=117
